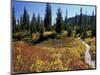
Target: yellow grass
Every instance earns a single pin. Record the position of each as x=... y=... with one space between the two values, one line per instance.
x=47 y=33
x=48 y=56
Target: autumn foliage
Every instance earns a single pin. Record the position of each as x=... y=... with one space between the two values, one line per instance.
x=50 y=55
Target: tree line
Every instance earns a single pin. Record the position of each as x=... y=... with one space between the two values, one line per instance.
x=80 y=24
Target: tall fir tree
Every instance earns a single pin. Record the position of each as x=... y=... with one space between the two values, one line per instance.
x=41 y=29
x=85 y=21
x=84 y=31
x=38 y=23
x=66 y=22
x=69 y=34
x=48 y=18
x=33 y=24
x=28 y=23
x=80 y=22
x=13 y=21
x=93 y=24
x=59 y=21
x=25 y=20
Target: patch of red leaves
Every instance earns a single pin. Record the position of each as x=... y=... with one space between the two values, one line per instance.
x=77 y=64
x=24 y=56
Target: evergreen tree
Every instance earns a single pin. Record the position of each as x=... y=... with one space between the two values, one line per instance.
x=84 y=31
x=69 y=31
x=80 y=22
x=59 y=21
x=86 y=20
x=41 y=30
x=13 y=20
x=66 y=22
x=76 y=23
x=28 y=23
x=25 y=20
x=93 y=24
x=48 y=19
x=33 y=24
x=38 y=23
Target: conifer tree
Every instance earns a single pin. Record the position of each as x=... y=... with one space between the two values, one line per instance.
x=48 y=19
x=66 y=22
x=41 y=30
x=93 y=24
x=59 y=21
x=80 y=22
x=38 y=23
x=33 y=24
x=28 y=23
x=13 y=20
x=25 y=20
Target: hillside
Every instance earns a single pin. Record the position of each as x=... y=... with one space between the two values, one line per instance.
x=50 y=55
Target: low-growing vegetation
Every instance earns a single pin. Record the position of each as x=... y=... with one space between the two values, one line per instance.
x=49 y=55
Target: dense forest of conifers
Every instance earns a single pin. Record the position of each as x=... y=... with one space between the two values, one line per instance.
x=79 y=25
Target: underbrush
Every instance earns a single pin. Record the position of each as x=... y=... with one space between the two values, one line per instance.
x=50 y=55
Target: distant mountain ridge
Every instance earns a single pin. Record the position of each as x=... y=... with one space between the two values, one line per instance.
x=72 y=19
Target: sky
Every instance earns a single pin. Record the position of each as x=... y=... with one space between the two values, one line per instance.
x=39 y=8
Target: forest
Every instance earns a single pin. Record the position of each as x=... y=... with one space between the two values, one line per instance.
x=38 y=45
